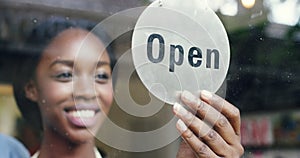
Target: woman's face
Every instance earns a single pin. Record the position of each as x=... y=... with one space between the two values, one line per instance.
x=73 y=85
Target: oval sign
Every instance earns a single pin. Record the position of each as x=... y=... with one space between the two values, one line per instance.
x=180 y=46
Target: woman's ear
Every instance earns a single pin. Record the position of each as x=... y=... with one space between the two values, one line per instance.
x=31 y=91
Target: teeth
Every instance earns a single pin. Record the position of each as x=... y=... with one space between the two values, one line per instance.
x=83 y=113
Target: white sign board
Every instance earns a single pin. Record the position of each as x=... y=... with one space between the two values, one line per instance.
x=180 y=45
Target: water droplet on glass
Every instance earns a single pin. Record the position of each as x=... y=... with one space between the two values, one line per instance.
x=160 y=3
x=35 y=20
x=195 y=12
x=255 y=15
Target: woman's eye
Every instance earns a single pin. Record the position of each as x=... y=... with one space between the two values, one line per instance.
x=102 y=77
x=65 y=76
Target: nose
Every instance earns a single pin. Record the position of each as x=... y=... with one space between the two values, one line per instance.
x=83 y=88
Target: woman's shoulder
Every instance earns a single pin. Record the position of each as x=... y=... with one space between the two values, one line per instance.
x=12 y=147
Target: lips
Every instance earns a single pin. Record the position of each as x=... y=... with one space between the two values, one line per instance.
x=82 y=115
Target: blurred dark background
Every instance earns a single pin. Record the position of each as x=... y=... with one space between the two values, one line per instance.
x=263 y=76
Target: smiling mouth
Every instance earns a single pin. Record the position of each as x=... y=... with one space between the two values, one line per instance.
x=82 y=115
x=84 y=110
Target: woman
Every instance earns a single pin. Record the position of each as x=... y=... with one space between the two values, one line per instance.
x=69 y=80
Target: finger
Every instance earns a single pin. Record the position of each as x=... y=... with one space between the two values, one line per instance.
x=200 y=148
x=185 y=151
x=202 y=130
x=210 y=115
x=228 y=110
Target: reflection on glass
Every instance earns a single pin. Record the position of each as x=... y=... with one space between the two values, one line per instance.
x=226 y=7
x=285 y=12
x=248 y=3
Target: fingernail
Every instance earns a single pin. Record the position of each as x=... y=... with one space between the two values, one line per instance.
x=178 y=109
x=189 y=97
x=181 y=126
x=206 y=94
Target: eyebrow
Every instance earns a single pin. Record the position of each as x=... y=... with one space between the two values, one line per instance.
x=71 y=63
x=101 y=63
x=64 y=62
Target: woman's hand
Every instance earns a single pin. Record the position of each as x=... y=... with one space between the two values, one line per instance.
x=211 y=130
